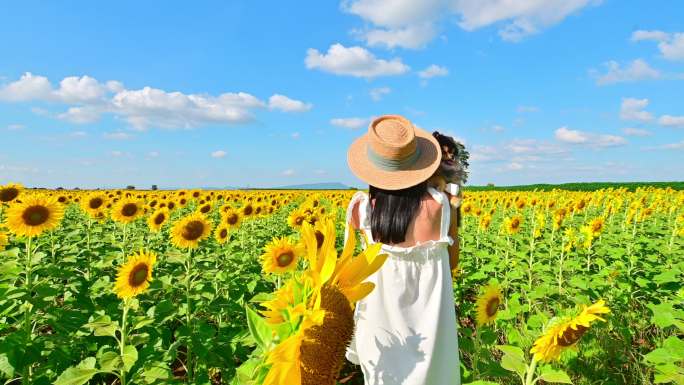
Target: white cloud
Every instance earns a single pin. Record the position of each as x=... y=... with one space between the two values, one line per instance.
x=674 y=146
x=514 y=166
x=319 y=172
x=413 y=36
x=671 y=45
x=78 y=134
x=153 y=154
x=671 y=121
x=118 y=135
x=351 y=123
x=353 y=61
x=629 y=131
x=633 y=109
x=15 y=127
x=295 y=135
x=218 y=154
x=566 y=135
x=635 y=71
x=433 y=71
x=87 y=100
x=288 y=172
x=283 y=103
x=377 y=93
x=523 y=109
x=117 y=154
x=525 y=17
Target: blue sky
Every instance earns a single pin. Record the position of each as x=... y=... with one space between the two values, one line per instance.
x=261 y=93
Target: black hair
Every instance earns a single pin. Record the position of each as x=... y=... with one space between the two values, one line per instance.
x=393 y=212
x=447 y=141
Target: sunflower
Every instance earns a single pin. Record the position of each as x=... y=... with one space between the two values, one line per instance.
x=247 y=210
x=189 y=231
x=10 y=192
x=35 y=214
x=205 y=208
x=94 y=203
x=4 y=241
x=513 y=224
x=135 y=275
x=221 y=234
x=126 y=210
x=566 y=332
x=157 y=219
x=232 y=218
x=296 y=218
x=485 y=221
x=488 y=304
x=596 y=226
x=281 y=255
x=284 y=298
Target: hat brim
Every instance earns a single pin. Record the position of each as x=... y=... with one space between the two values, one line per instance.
x=424 y=167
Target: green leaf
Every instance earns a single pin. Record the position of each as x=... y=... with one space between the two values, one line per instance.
x=557 y=376
x=103 y=326
x=259 y=329
x=109 y=361
x=513 y=364
x=79 y=374
x=481 y=382
x=659 y=356
x=155 y=373
x=514 y=351
x=130 y=356
x=675 y=346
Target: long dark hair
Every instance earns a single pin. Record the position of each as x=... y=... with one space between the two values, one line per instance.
x=393 y=212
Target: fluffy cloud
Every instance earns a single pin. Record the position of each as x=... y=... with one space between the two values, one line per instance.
x=353 y=61
x=671 y=121
x=288 y=172
x=15 y=127
x=351 y=123
x=285 y=104
x=524 y=17
x=117 y=135
x=412 y=24
x=377 y=93
x=433 y=71
x=633 y=109
x=89 y=99
x=635 y=71
x=629 y=131
x=523 y=109
x=671 y=45
x=566 y=135
x=218 y=154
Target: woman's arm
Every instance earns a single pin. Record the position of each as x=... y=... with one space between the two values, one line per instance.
x=454 y=249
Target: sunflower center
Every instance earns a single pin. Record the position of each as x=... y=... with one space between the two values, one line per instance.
x=299 y=220
x=492 y=306
x=61 y=199
x=95 y=203
x=138 y=275
x=8 y=194
x=223 y=233
x=597 y=227
x=515 y=223
x=285 y=259
x=129 y=209
x=232 y=219
x=571 y=336
x=319 y=239
x=193 y=230
x=36 y=215
x=248 y=210
x=159 y=219
x=205 y=209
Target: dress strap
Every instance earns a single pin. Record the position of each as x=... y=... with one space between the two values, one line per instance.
x=442 y=198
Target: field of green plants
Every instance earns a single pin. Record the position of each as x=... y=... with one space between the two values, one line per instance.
x=590 y=281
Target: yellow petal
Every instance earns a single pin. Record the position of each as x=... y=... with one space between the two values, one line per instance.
x=359 y=291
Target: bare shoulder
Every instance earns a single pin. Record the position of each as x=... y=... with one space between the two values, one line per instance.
x=431 y=206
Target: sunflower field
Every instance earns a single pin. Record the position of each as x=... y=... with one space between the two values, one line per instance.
x=259 y=286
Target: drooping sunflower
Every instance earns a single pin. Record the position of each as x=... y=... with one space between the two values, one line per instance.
x=126 y=210
x=566 y=332
x=94 y=203
x=10 y=192
x=157 y=219
x=34 y=215
x=281 y=255
x=189 y=231
x=596 y=226
x=488 y=304
x=135 y=275
x=222 y=233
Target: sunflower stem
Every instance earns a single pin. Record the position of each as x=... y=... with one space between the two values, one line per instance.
x=188 y=316
x=530 y=372
x=122 y=342
x=88 y=248
x=27 y=310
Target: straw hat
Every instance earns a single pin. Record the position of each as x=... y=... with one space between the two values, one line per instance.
x=394 y=154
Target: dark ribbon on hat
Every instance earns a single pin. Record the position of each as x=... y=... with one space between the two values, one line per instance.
x=389 y=164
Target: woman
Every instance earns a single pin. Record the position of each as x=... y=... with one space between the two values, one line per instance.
x=405 y=329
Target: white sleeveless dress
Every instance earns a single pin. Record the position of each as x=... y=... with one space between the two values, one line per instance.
x=405 y=329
